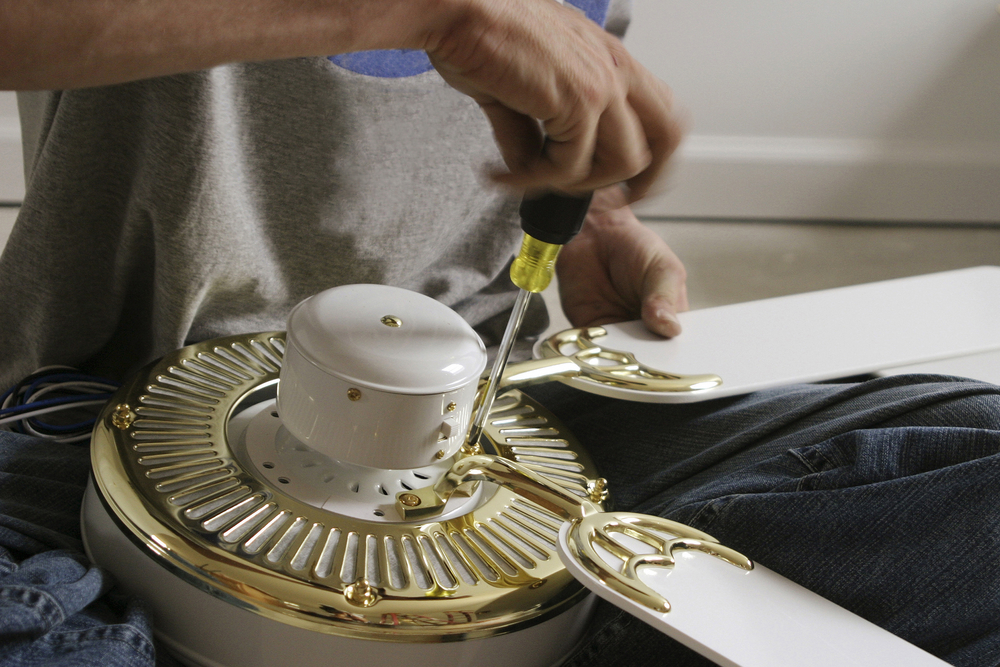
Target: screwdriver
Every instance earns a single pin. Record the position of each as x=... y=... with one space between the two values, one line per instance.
x=549 y=222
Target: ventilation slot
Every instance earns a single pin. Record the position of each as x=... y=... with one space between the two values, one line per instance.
x=279 y=550
x=188 y=388
x=538 y=442
x=550 y=519
x=324 y=564
x=185 y=468
x=278 y=345
x=509 y=412
x=225 y=376
x=203 y=510
x=169 y=486
x=301 y=558
x=248 y=355
x=173 y=393
x=240 y=530
x=200 y=381
x=420 y=574
x=512 y=545
x=532 y=431
x=395 y=562
x=443 y=575
x=520 y=422
x=558 y=476
x=456 y=560
x=372 y=571
x=349 y=569
x=195 y=495
x=232 y=358
x=170 y=406
x=263 y=536
x=495 y=557
x=551 y=464
x=503 y=403
x=486 y=571
x=160 y=459
x=544 y=452
x=545 y=532
x=174 y=427
x=506 y=549
x=519 y=534
x=263 y=349
x=229 y=514
x=158 y=442
x=228 y=368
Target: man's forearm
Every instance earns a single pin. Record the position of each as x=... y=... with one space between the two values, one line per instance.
x=52 y=44
x=570 y=108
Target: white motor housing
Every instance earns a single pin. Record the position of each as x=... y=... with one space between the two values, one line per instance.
x=379 y=376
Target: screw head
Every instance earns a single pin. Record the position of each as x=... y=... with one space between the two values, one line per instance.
x=123 y=416
x=354 y=394
x=361 y=594
x=598 y=490
x=392 y=321
x=440 y=454
x=451 y=407
x=410 y=499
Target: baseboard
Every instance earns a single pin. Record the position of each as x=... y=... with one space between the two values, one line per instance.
x=11 y=162
x=819 y=179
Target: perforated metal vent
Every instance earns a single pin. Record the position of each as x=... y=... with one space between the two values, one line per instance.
x=166 y=468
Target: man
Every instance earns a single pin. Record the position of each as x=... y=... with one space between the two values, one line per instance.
x=229 y=194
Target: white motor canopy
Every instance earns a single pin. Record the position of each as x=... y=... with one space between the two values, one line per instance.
x=380 y=377
x=387 y=338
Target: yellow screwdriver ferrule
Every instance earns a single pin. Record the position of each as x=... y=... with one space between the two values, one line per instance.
x=535 y=264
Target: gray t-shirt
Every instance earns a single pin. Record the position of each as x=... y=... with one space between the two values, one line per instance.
x=176 y=209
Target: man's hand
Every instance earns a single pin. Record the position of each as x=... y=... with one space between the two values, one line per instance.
x=570 y=108
x=617 y=269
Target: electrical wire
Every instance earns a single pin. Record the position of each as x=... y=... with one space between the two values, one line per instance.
x=72 y=400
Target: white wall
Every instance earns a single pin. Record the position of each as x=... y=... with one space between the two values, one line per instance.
x=11 y=173
x=850 y=109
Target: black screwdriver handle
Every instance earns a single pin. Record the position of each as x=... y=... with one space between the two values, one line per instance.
x=553 y=217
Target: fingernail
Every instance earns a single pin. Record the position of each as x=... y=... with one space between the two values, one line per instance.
x=672 y=325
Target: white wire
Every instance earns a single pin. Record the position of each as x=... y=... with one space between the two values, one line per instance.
x=13 y=396
x=74 y=384
x=51 y=408
x=79 y=438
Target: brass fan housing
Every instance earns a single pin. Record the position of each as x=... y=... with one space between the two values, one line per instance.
x=187 y=517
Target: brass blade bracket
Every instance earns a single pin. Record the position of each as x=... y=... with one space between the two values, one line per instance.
x=614 y=368
x=593 y=535
x=430 y=501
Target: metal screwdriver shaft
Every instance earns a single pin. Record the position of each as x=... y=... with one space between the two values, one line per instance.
x=503 y=354
x=549 y=222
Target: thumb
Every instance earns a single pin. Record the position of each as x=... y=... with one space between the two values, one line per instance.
x=664 y=294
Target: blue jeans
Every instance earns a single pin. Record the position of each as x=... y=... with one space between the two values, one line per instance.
x=55 y=607
x=878 y=495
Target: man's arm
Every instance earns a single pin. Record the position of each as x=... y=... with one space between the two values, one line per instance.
x=570 y=108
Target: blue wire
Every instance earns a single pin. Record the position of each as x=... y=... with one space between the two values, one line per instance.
x=65 y=377
x=30 y=407
x=60 y=377
x=62 y=429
